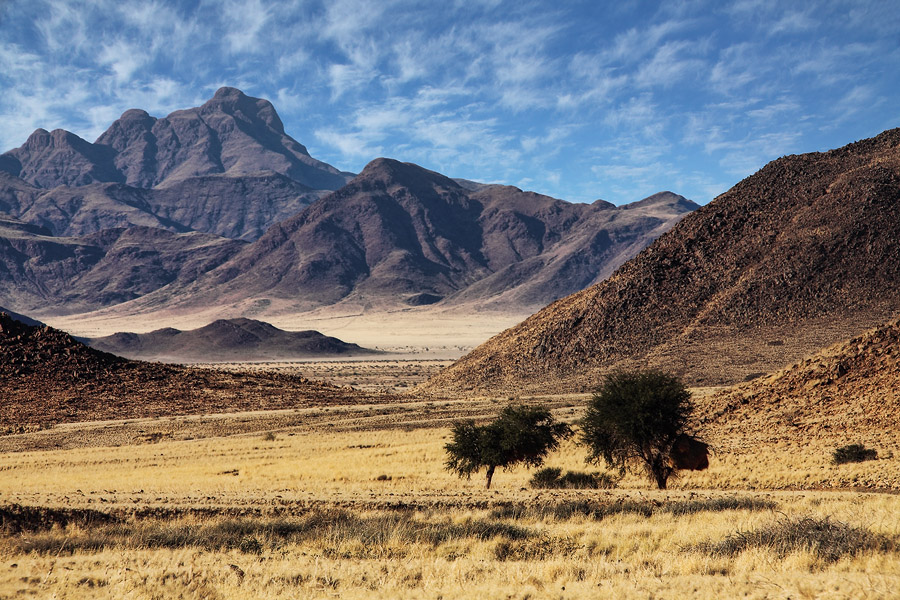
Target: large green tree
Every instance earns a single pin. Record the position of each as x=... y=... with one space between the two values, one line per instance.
x=519 y=435
x=636 y=418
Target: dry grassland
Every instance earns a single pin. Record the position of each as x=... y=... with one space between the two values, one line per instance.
x=364 y=509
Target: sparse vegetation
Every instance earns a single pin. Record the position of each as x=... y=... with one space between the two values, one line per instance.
x=853 y=453
x=636 y=417
x=307 y=517
x=554 y=478
x=827 y=539
x=520 y=435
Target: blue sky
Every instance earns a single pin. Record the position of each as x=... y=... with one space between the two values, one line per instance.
x=578 y=100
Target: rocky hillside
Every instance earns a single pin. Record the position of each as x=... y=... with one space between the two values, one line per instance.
x=400 y=235
x=795 y=257
x=849 y=392
x=48 y=377
x=75 y=274
x=226 y=340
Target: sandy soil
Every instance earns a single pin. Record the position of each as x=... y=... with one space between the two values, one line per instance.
x=382 y=375
x=410 y=333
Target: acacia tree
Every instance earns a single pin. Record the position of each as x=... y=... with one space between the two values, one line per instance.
x=636 y=417
x=520 y=435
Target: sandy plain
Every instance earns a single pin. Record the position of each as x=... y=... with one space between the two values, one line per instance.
x=354 y=502
x=412 y=333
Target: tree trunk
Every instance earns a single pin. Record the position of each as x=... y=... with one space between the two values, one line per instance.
x=490 y=475
x=661 y=479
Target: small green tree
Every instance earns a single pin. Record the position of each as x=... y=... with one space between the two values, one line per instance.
x=636 y=417
x=520 y=435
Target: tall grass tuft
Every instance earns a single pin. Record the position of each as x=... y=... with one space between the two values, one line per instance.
x=827 y=539
x=599 y=510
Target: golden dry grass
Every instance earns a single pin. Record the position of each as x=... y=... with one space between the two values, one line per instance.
x=371 y=513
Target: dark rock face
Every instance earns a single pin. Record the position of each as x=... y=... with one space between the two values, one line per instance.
x=803 y=252
x=226 y=339
x=50 y=159
x=400 y=231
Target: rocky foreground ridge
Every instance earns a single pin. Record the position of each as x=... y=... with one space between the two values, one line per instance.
x=798 y=256
x=850 y=389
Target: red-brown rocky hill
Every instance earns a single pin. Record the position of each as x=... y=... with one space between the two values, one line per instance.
x=849 y=391
x=795 y=257
x=48 y=377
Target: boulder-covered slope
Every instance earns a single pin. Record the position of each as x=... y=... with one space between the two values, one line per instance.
x=798 y=256
x=226 y=340
x=849 y=391
x=398 y=233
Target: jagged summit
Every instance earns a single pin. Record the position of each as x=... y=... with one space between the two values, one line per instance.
x=231 y=133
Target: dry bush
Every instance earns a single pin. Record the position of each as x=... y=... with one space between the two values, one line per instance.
x=826 y=539
x=853 y=453
x=554 y=478
x=599 y=510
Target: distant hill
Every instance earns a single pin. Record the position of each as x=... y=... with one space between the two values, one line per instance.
x=226 y=340
x=398 y=234
x=49 y=377
x=795 y=257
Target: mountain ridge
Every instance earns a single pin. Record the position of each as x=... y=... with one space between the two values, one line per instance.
x=398 y=231
x=797 y=256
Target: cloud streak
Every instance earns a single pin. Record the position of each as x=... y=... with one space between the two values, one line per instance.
x=577 y=100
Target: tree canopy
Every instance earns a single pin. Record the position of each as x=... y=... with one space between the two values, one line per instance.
x=635 y=417
x=519 y=435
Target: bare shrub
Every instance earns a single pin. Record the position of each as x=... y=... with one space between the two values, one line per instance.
x=853 y=453
x=554 y=478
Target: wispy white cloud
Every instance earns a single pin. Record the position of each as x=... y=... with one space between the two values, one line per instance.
x=568 y=97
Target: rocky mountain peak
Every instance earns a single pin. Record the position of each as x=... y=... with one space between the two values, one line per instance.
x=232 y=133
x=235 y=103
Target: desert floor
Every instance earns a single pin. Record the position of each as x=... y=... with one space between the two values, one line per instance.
x=411 y=333
x=354 y=502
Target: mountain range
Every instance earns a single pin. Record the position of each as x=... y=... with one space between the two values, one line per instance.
x=800 y=255
x=218 y=206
